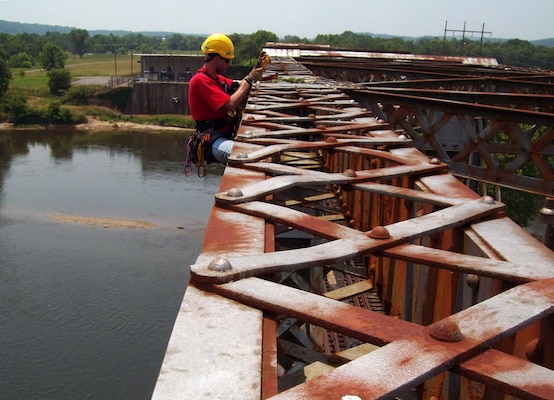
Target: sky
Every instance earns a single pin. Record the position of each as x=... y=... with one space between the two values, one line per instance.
x=507 y=19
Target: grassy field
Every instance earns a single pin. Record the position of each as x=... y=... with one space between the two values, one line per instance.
x=103 y=65
x=33 y=83
x=35 y=79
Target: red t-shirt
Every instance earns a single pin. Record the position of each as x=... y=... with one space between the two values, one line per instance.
x=207 y=97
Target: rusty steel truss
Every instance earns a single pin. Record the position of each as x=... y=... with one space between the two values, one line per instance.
x=379 y=273
x=489 y=123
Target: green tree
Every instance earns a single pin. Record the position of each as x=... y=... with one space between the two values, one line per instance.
x=104 y=43
x=193 y=42
x=259 y=39
x=79 y=41
x=78 y=95
x=59 y=39
x=5 y=75
x=21 y=60
x=19 y=112
x=59 y=81
x=175 y=41
x=31 y=44
x=52 y=57
x=247 y=47
x=295 y=39
x=55 y=114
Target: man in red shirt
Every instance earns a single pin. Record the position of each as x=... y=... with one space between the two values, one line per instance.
x=212 y=96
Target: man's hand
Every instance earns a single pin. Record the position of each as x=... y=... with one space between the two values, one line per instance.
x=255 y=75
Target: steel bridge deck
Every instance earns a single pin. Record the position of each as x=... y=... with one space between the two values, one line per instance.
x=341 y=261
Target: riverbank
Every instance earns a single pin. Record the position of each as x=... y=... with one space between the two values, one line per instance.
x=94 y=124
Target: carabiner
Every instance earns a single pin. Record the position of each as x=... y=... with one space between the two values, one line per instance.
x=188 y=168
x=202 y=171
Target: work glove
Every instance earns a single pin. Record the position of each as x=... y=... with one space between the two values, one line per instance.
x=255 y=75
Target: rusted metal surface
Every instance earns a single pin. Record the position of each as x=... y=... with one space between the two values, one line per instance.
x=323 y=206
x=356 y=244
x=196 y=369
x=489 y=123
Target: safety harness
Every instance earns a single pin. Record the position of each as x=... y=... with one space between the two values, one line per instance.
x=199 y=145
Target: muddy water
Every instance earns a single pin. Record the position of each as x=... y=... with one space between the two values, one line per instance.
x=96 y=235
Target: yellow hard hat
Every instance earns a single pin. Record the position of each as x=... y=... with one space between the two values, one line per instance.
x=218 y=43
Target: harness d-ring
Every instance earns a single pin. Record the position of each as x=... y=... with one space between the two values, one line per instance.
x=188 y=169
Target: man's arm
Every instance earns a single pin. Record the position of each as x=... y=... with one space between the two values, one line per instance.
x=237 y=98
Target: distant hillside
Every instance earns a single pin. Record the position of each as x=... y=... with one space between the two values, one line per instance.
x=544 y=42
x=14 y=28
x=540 y=42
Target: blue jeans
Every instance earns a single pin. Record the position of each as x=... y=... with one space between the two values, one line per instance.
x=221 y=149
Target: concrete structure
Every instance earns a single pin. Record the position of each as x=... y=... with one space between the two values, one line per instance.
x=169 y=67
x=162 y=87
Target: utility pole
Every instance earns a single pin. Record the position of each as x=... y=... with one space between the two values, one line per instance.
x=464 y=31
x=115 y=61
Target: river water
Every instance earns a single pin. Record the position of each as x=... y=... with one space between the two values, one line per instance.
x=86 y=309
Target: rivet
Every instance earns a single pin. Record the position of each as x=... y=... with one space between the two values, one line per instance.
x=250 y=118
x=220 y=264
x=434 y=161
x=446 y=331
x=235 y=192
x=472 y=281
x=548 y=208
x=402 y=137
x=533 y=351
x=487 y=200
x=311 y=116
x=242 y=155
x=379 y=232
x=247 y=134
x=350 y=173
x=331 y=139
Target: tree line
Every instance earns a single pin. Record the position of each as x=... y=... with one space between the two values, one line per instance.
x=26 y=49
